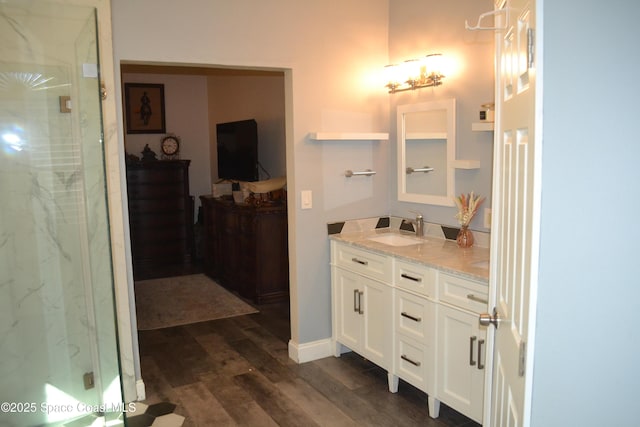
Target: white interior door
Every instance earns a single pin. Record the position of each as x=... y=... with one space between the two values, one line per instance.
x=515 y=240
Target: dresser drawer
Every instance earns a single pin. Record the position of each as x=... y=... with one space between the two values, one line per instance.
x=363 y=262
x=463 y=293
x=415 y=316
x=155 y=191
x=156 y=176
x=415 y=277
x=156 y=206
x=157 y=235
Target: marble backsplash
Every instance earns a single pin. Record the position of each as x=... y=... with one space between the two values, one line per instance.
x=482 y=239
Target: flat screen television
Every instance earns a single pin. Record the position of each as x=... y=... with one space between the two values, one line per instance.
x=238 y=150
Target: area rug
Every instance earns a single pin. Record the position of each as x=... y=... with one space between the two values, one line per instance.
x=182 y=300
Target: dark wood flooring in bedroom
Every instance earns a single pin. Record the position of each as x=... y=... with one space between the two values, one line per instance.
x=237 y=372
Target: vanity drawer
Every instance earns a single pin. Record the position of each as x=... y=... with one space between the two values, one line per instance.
x=413 y=363
x=415 y=277
x=415 y=316
x=463 y=293
x=364 y=262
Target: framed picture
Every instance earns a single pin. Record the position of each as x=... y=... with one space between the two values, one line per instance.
x=144 y=107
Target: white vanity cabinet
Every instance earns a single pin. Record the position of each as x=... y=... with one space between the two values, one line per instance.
x=417 y=322
x=362 y=303
x=461 y=345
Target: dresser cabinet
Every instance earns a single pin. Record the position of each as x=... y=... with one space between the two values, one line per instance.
x=246 y=248
x=160 y=217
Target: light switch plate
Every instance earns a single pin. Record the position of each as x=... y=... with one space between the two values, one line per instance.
x=306 y=199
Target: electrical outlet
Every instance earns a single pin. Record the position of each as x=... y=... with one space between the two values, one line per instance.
x=487 y=217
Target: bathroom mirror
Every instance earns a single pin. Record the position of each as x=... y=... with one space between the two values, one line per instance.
x=426 y=151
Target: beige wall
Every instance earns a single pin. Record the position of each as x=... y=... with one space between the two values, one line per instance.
x=233 y=98
x=185 y=98
x=331 y=53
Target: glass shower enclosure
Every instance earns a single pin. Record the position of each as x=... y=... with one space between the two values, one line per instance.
x=58 y=340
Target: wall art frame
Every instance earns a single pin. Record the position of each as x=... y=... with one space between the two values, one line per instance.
x=144 y=108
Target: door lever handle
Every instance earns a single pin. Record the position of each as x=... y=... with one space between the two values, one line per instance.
x=487 y=319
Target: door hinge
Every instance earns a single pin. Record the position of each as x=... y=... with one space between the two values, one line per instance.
x=88 y=380
x=522 y=358
x=531 y=46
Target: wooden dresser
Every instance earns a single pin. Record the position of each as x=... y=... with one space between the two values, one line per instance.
x=160 y=217
x=246 y=248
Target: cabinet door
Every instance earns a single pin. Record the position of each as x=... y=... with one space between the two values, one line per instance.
x=348 y=320
x=461 y=358
x=375 y=305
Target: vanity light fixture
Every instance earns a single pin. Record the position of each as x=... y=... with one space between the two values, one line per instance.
x=415 y=74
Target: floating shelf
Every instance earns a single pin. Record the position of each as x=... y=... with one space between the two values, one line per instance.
x=466 y=164
x=482 y=126
x=349 y=136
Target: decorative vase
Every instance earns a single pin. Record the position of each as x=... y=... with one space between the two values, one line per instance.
x=465 y=237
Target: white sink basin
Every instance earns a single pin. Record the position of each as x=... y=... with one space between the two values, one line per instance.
x=395 y=240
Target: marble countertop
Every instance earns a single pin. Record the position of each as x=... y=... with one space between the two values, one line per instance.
x=437 y=253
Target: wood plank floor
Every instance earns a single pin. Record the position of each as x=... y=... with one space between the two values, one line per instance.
x=236 y=372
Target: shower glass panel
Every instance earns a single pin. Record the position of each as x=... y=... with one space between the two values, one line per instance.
x=58 y=346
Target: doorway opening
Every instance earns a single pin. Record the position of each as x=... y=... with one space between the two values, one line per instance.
x=196 y=99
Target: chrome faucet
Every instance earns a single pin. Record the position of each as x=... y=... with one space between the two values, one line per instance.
x=418 y=224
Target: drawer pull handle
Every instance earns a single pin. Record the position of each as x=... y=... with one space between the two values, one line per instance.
x=413 y=362
x=415 y=279
x=480 y=365
x=472 y=297
x=355 y=300
x=408 y=316
x=359 y=261
x=471 y=341
x=360 y=294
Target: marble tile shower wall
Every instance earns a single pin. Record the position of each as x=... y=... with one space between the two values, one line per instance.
x=56 y=293
x=44 y=306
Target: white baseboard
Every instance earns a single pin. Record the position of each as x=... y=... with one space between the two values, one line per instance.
x=307 y=352
x=141 y=390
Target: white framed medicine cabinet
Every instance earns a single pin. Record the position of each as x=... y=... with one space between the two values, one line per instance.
x=426 y=152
